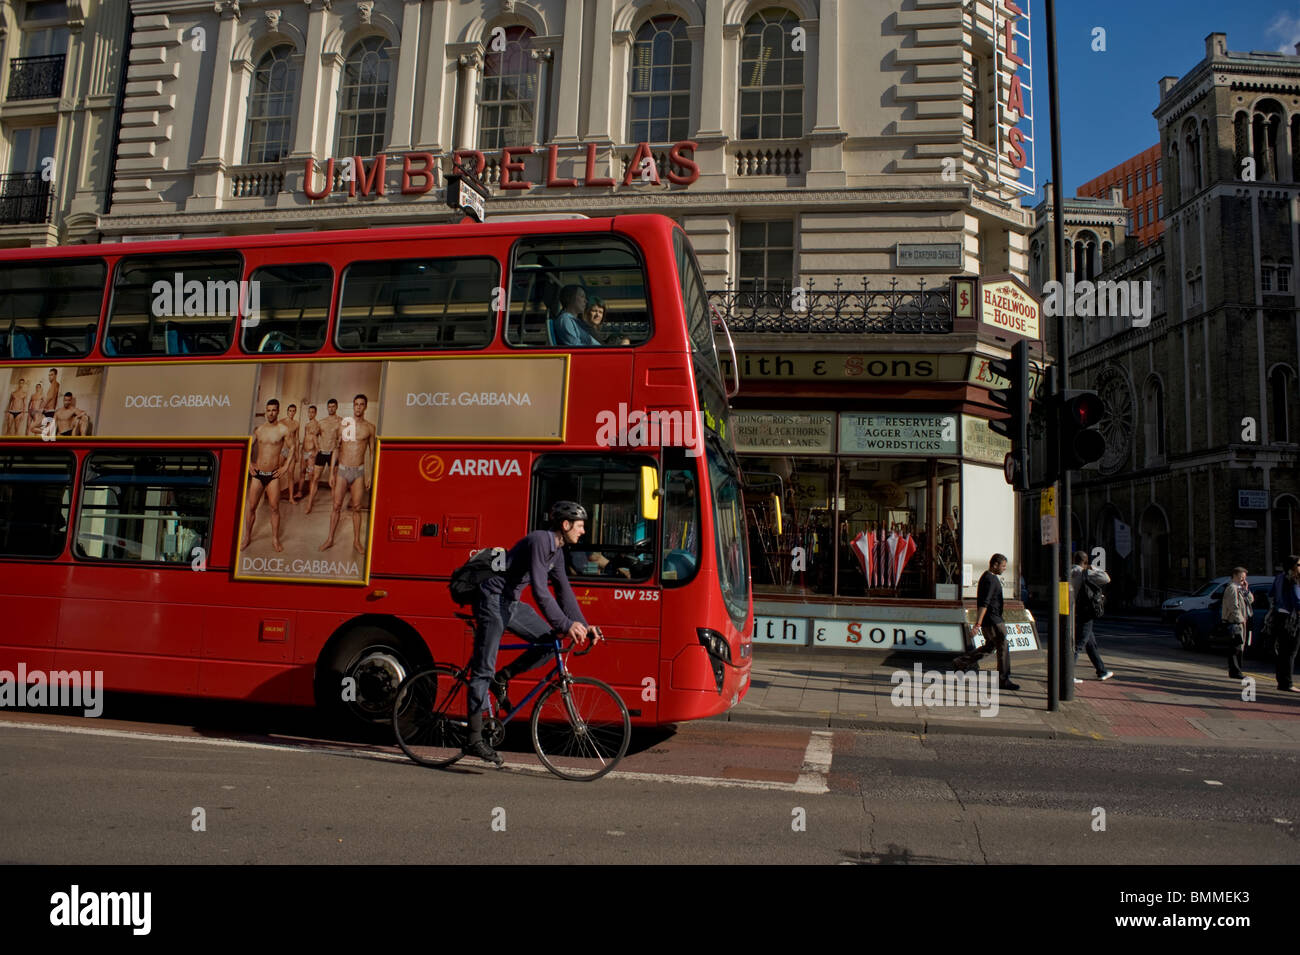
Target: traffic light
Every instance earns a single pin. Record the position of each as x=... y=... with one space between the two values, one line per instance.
x=1080 y=442
x=1014 y=399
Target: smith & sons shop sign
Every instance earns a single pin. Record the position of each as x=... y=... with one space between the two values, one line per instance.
x=420 y=170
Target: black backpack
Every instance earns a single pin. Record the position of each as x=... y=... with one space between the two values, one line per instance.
x=465 y=579
x=1092 y=606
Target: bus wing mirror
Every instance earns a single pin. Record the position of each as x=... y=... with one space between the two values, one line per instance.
x=649 y=493
x=776 y=511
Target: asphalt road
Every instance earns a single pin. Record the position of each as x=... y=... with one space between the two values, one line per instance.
x=76 y=791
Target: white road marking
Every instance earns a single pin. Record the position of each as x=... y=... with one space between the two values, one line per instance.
x=812 y=779
x=816 y=762
x=1212 y=782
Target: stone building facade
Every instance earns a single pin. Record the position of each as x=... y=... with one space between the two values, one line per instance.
x=799 y=172
x=61 y=66
x=1200 y=470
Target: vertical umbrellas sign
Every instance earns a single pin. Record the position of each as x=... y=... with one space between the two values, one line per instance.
x=1015 y=127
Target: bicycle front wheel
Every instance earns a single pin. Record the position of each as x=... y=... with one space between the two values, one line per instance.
x=581 y=728
x=429 y=716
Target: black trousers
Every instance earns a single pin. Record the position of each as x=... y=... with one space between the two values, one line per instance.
x=995 y=640
x=1286 y=650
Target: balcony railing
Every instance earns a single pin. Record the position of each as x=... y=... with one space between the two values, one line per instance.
x=804 y=309
x=36 y=77
x=256 y=180
x=25 y=198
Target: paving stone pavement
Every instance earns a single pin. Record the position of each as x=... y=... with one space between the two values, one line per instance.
x=1148 y=700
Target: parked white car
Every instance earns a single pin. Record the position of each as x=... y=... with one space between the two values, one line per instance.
x=1207 y=596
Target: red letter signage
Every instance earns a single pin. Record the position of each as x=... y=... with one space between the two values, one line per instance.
x=508 y=166
x=425 y=173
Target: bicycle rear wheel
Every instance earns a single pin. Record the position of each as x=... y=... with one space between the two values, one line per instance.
x=429 y=716
x=581 y=728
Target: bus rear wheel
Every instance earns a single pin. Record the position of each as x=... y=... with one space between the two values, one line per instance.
x=358 y=685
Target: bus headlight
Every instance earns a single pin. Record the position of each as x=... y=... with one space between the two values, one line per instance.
x=719 y=651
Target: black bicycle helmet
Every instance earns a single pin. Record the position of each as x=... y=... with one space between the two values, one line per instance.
x=567 y=511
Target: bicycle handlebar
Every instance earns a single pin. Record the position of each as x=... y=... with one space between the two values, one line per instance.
x=591 y=643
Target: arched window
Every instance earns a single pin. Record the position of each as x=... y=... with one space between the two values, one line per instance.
x=1192 y=157
x=1240 y=141
x=272 y=101
x=1086 y=265
x=771 y=77
x=1280 y=391
x=1284 y=276
x=1266 y=124
x=1295 y=148
x=363 y=112
x=1153 y=418
x=508 y=97
x=1267 y=275
x=1286 y=529
x=1177 y=165
x=1194 y=286
x=660 y=97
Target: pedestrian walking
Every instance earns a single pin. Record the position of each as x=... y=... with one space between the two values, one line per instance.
x=1238 y=605
x=1285 y=617
x=988 y=622
x=1088 y=585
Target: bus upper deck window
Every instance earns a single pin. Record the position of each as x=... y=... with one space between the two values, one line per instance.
x=50 y=308
x=176 y=304
x=577 y=292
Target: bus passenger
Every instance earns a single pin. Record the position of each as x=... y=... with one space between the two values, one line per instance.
x=265 y=464
x=594 y=318
x=357 y=437
x=570 y=330
x=536 y=560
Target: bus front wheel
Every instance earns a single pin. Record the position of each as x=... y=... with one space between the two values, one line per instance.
x=359 y=682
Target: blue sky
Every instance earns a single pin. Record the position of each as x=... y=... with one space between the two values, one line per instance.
x=1107 y=97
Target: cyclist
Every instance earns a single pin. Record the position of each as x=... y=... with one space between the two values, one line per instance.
x=536 y=560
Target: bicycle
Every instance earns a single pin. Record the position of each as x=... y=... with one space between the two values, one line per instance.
x=580 y=726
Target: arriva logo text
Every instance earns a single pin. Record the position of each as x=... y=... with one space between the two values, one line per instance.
x=432 y=469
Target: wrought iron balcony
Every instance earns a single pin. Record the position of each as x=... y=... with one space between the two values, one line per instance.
x=36 y=77
x=847 y=311
x=25 y=199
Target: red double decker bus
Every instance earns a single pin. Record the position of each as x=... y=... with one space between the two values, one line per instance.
x=244 y=468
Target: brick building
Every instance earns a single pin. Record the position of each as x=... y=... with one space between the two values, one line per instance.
x=1141 y=184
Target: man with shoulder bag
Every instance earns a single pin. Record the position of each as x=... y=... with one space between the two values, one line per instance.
x=1238 y=604
x=1285 y=613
